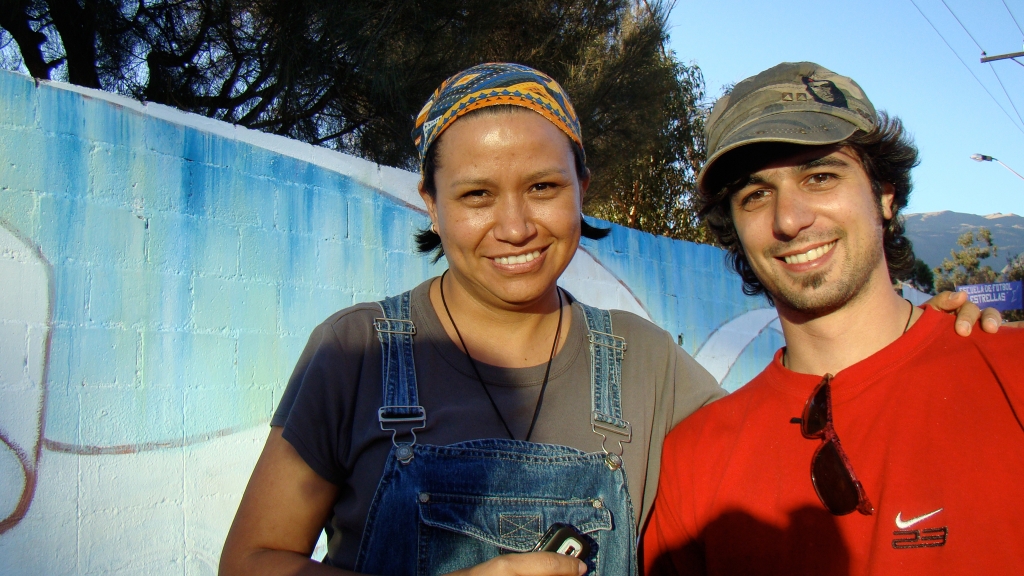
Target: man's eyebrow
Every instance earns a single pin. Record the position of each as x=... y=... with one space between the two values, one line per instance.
x=825 y=161
x=741 y=183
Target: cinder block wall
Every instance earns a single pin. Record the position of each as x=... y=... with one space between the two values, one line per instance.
x=159 y=274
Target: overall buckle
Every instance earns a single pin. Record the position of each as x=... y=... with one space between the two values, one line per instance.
x=623 y=428
x=403 y=449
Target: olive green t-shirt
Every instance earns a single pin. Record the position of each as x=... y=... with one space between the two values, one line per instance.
x=329 y=409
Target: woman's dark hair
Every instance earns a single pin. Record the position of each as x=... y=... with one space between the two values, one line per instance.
x=427 y=241
x=887 y=155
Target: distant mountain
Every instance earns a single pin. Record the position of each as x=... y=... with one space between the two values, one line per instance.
x=934 y=234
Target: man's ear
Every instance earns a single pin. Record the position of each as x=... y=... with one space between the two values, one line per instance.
x=430 y=202
x=887 y=199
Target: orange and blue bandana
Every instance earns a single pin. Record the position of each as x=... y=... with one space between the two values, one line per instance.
x=494 y=84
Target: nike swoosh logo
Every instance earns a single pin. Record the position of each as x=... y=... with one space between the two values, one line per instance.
x=904 y=524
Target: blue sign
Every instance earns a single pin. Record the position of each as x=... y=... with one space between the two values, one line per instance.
x=1002 y=296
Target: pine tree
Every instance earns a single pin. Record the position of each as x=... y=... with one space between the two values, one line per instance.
x=964 y=266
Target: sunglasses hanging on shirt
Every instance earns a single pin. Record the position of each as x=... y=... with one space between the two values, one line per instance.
x=831 y=472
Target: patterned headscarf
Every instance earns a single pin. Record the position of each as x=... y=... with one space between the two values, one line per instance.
x=494 y=84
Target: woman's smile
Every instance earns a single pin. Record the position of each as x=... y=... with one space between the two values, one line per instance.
x=519 y=262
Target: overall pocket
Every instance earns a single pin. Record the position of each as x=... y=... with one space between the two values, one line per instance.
x=457 y=531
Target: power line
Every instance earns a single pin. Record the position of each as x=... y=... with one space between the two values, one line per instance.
x=994 y=71
x=1014 y=18
x=978 y=80
x=962 y=26
x=1000 y=80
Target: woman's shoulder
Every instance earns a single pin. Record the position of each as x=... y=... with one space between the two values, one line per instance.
x=630 y=323
x=642 y=336
x=652 y=348
x=361 y=314
x=634 y=327
x=364 y=313
x=356 y=321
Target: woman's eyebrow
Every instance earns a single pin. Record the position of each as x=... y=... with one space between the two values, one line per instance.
x=539 y=174
x=472 y=182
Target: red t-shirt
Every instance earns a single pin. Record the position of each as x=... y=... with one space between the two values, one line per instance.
x=932 y=425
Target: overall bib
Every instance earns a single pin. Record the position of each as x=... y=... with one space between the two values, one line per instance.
x=443 y=508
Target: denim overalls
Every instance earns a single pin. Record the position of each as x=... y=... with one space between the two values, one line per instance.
x=443 y=508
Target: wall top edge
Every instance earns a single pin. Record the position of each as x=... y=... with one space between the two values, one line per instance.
x=395 y=182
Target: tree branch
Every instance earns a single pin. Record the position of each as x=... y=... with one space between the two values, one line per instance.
x=76 y=26
x=15 y=19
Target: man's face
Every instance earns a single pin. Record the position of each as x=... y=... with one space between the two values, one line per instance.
x=811 y=228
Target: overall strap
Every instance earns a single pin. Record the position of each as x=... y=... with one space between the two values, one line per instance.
x=606 y=351
x=401 y=402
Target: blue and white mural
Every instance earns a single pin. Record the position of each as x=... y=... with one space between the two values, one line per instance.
x=159 y=275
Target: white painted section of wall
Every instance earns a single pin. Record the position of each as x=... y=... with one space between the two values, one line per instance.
x=188 y=496
x=588 y=280
x=915 y=296
x=724 y=346
x=24 y=327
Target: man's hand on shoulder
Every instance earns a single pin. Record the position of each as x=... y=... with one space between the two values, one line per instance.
x=968 y=314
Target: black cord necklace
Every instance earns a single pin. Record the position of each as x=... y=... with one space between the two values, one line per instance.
x=905 y=328
x=547 y=371
x=909 y=318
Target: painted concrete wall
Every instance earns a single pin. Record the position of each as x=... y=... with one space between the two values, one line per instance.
x=159 y=275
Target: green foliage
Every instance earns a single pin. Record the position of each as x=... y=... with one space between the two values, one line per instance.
x=1014 y=269
x=964 y=266
x=654 y=188
x=353 y=75
x=921 y=277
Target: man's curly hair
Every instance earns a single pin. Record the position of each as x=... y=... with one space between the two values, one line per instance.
x=887 y=154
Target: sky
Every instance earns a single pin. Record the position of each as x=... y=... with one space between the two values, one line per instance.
x=905 y=68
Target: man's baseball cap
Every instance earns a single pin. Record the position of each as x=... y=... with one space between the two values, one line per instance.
x=794 y=103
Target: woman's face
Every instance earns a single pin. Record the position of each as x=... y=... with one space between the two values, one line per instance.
x=507 y=207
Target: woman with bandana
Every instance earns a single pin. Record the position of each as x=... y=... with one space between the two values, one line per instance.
x=444 y=430
x=447 y=428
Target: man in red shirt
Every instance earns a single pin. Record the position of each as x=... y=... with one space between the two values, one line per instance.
x=803 y=185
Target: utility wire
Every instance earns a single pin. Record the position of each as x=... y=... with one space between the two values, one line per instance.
x=1014 y=18
x=1000 y=80
x=964 y=27
x=994 y=71
x=978 y=80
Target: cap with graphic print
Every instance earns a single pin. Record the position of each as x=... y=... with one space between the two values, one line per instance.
x=795 y=103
